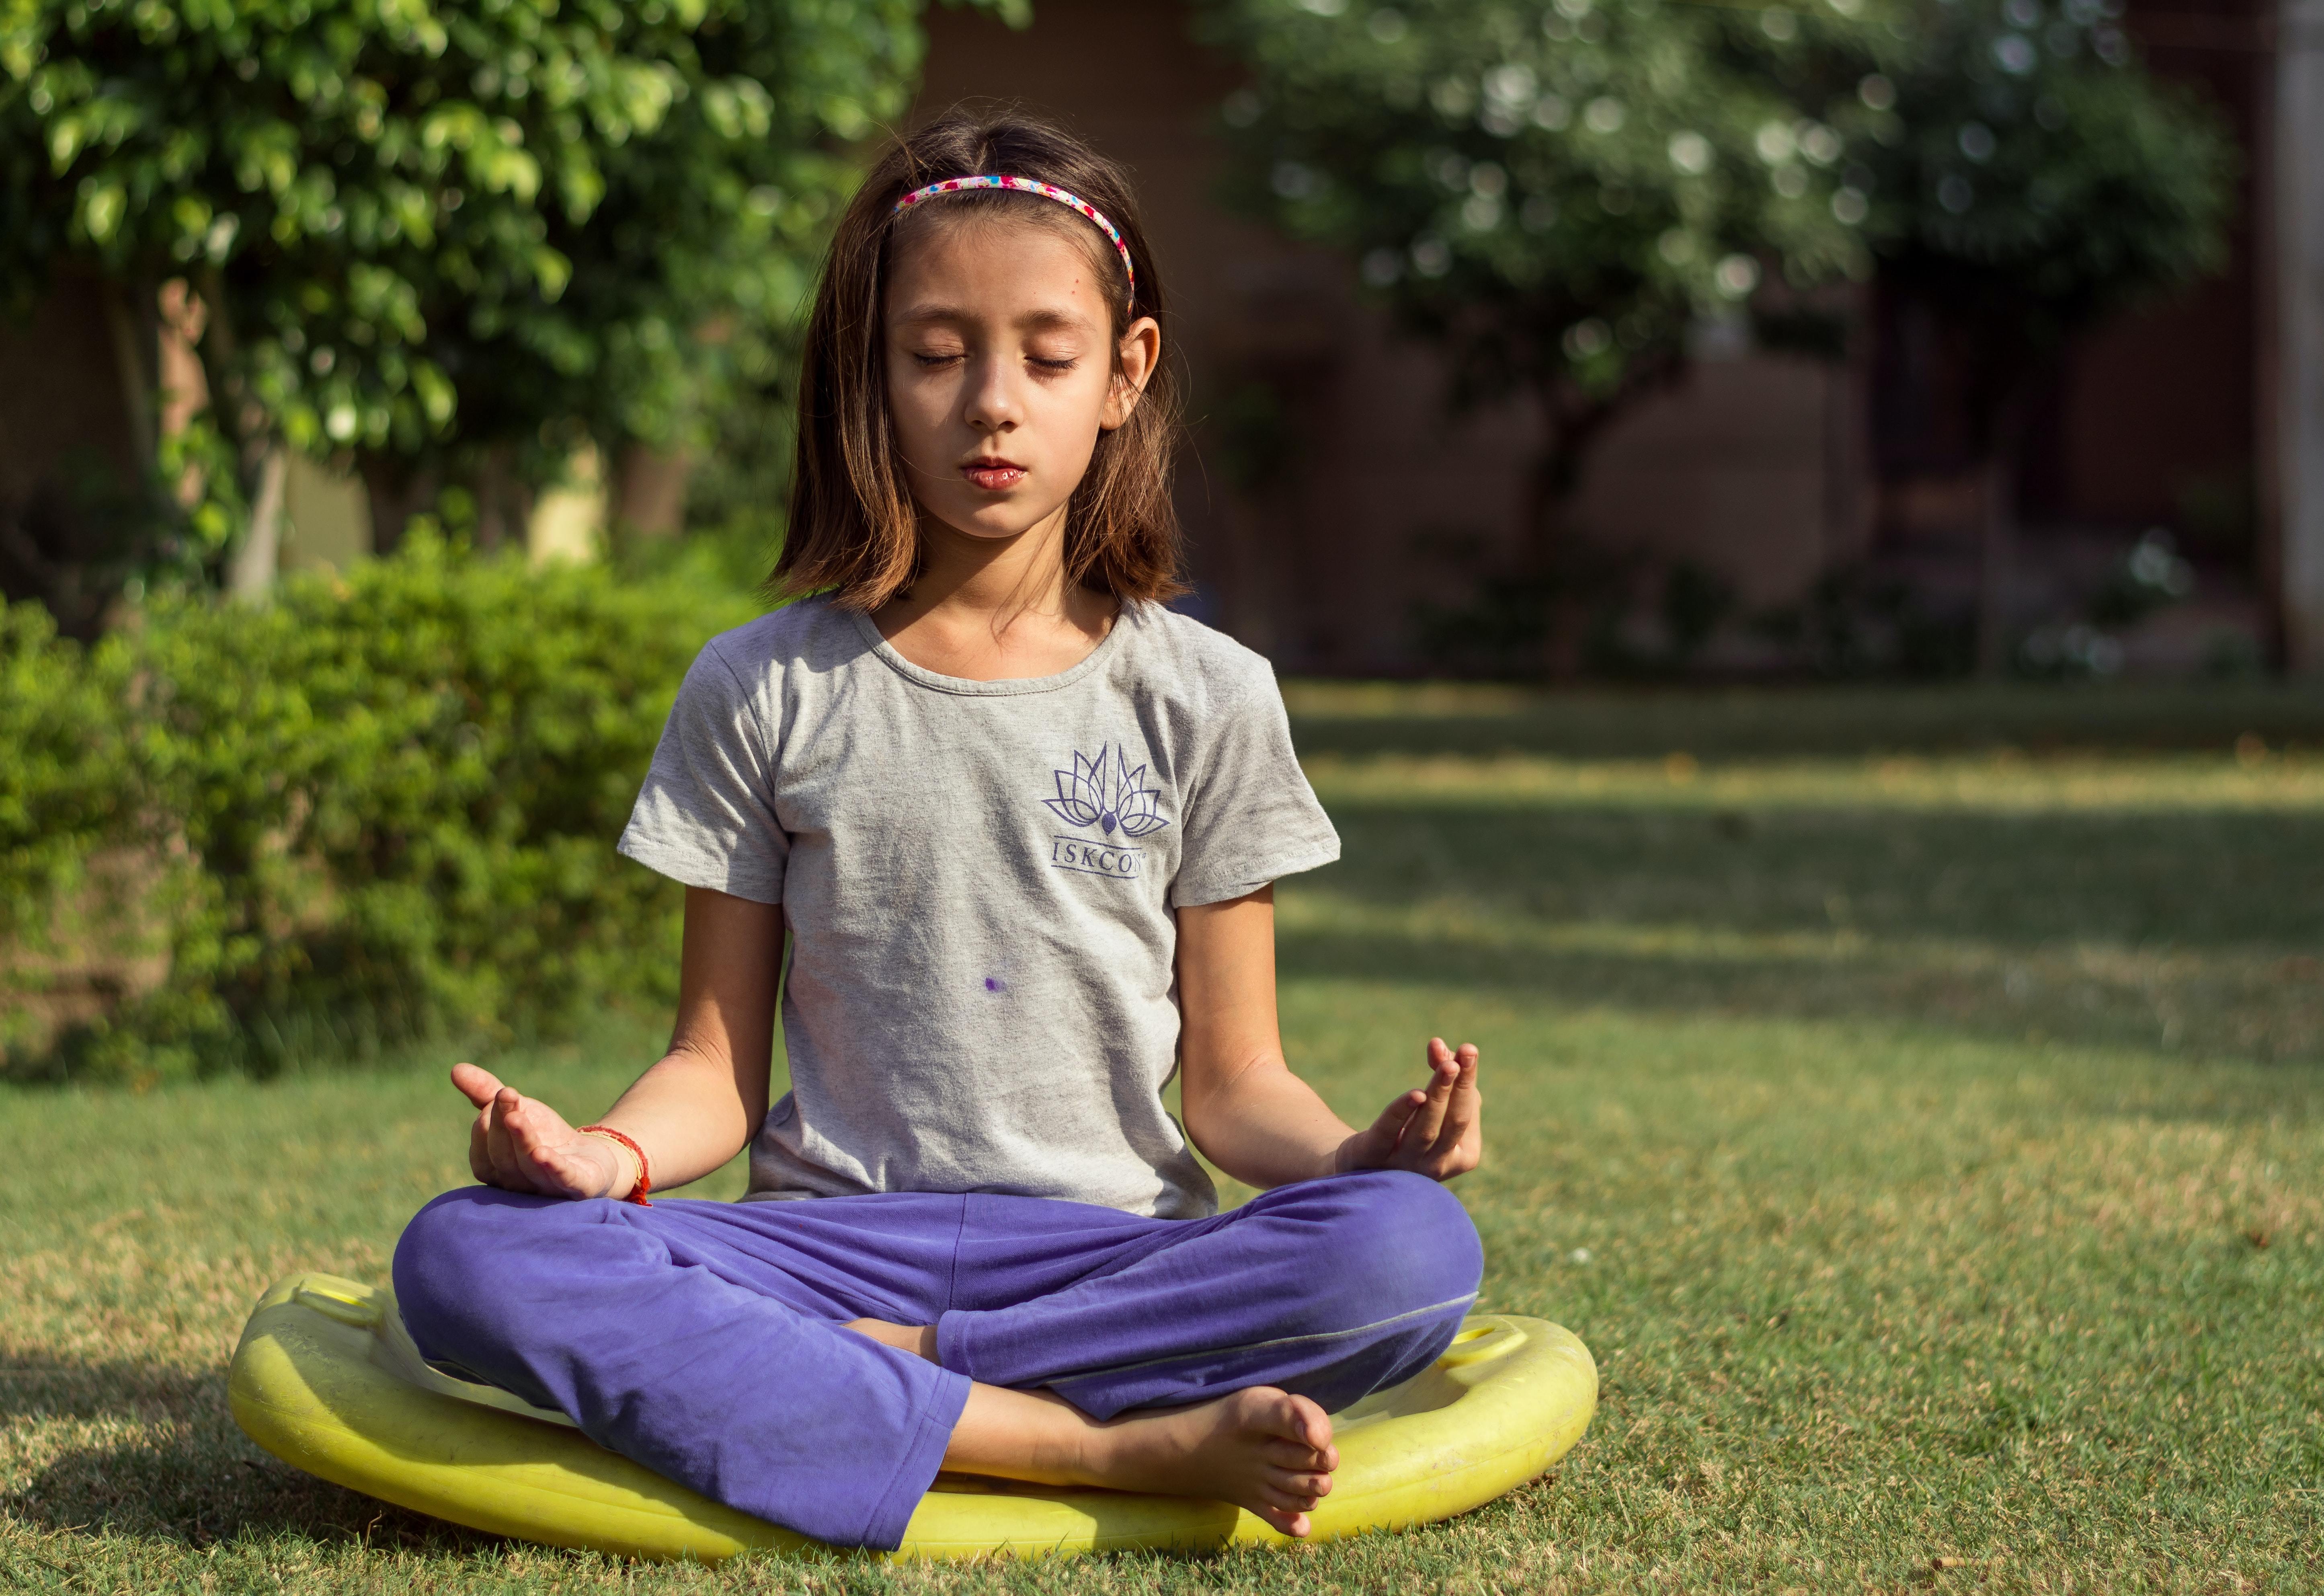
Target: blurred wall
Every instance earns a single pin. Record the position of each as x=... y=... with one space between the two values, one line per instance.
x=2295 y=477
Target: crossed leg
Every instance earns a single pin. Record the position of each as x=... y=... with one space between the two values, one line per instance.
x=1033 y=1340
x=1259 y=1448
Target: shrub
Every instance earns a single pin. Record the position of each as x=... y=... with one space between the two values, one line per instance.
x=64 y=782
x=395 y=795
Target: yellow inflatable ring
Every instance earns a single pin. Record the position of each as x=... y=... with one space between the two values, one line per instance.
x=326 y=1379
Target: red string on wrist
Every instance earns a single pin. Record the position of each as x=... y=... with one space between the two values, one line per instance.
x=645 y=1171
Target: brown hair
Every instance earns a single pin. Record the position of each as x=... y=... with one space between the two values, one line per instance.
x=853 y=531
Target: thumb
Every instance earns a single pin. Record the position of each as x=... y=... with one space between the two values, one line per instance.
x=479 y=1086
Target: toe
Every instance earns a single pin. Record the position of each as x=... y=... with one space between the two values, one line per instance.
x=1314 y=1426
x=1296 y=1455
x=1298 y=1482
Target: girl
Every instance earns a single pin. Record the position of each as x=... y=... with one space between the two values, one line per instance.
x=1015 y=826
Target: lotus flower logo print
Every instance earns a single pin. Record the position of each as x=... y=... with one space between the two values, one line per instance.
x=1114 y=798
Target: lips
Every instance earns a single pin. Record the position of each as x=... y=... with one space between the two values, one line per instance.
x=993 y=476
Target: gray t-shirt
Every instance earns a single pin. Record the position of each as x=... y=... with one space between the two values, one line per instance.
x=979 y=880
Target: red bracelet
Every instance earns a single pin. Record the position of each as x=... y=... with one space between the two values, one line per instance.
x=645 y=1170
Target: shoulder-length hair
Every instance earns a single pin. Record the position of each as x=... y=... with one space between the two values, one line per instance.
x=854 y=531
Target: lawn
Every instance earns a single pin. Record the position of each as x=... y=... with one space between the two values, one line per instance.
x=1914 y=1102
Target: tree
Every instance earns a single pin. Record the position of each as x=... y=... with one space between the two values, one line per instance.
x=1555 y=193
x=2026 y=179
x=442 y=239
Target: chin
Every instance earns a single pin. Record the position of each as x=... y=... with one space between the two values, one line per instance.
x=993 y=524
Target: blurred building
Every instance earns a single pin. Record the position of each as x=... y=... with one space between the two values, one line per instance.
x=1332 y=499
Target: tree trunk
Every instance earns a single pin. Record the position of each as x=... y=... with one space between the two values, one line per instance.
x=133 y=318
x=1997 y=544
x=1572 y=424
x=397 y=493
x=252 y=577
x=650 y=490
x=504 y=503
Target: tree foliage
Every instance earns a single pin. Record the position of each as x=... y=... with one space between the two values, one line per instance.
x=1554 y=192
x=2023 y=175
x=416 y=224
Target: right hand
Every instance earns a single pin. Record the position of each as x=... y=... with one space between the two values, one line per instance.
x=520 y=1144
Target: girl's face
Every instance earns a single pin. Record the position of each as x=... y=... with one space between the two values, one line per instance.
x=1002 y=371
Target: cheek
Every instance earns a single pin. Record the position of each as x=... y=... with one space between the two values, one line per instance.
x=1077 y=407
x=920 y=402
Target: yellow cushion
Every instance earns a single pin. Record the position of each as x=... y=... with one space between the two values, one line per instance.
x=326 y=1380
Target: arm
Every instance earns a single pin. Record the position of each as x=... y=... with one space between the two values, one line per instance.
x=693 y=1110
x=1245 y=1110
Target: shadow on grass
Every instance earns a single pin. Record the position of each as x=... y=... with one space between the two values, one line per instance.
x=1830 y=721
x=196 y=1482
x=36 y=1386
x=2184 y=933
x=2033 y=999
x=2204 y=879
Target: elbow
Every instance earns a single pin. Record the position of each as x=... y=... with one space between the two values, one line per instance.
x=1198 y=1133
x=1210 y=1102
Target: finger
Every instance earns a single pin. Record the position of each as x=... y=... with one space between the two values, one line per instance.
x=1464 y=1103
x=557 y=1172
x=479 y=1086
x=1420 y=1134
x=534 y=1140
x=566 y=1167
x=535 y=1129
x=1390 y=1126
x=503 y=1152
x=480 y=1154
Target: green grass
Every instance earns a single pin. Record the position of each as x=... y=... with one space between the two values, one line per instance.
x=1931 y=1146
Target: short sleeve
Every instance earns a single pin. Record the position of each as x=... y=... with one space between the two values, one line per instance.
x=1251 y=818
x=706 y=816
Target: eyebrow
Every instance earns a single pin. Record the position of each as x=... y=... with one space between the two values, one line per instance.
x=1031 y=321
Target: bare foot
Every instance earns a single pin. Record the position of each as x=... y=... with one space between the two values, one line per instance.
x=1260 y=1449
x=919 y=1340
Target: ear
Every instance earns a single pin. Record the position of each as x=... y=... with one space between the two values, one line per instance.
x=1140 y=353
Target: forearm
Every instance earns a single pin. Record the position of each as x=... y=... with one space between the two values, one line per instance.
x=688 y=1115
x=1266 y=1127
x=703 y=1102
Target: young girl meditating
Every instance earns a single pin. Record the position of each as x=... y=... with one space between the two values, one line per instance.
x=1014 y=825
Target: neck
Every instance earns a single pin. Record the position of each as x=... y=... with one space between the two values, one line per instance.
x=993 y=582
x=995 y=608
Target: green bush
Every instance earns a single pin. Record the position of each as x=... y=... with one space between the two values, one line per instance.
x=383 y=807
x=63 y=782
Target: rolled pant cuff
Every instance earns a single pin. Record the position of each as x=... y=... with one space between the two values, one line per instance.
x=923 y=1455
x=954 y=1348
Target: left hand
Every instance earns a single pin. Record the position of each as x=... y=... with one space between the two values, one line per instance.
x=1436 y=1130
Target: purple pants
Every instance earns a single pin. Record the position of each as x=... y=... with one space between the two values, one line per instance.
x=704 y=1340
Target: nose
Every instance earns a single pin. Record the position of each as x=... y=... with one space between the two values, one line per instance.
x=991 y=403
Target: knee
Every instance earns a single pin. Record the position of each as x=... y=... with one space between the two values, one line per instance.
x=454 y=1256
x=1396 y=1243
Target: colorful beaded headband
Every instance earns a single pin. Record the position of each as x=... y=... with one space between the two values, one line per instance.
x=1032 y=185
